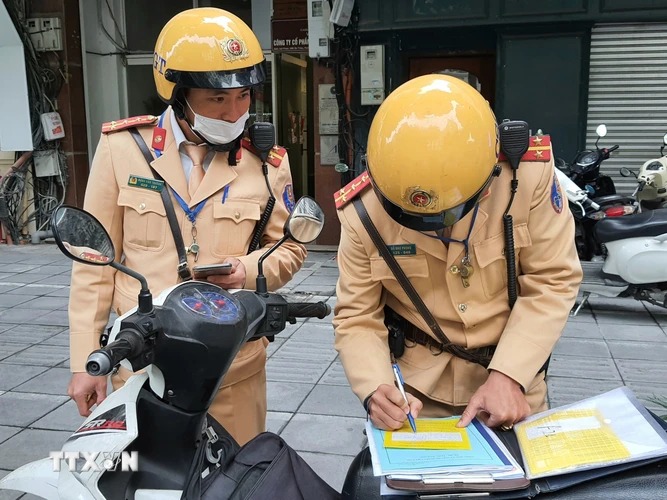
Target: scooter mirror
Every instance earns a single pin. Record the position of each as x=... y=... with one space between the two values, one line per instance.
x=82 y=237
x=664 y=139
x=306 y=221
x=626 y=172
x=601 y=130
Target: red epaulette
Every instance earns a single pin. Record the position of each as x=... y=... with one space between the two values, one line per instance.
x=539 y=149
x=276 y=154
x=342 y=196
x=135 y=121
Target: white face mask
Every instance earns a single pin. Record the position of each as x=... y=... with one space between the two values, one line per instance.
x=218 y=131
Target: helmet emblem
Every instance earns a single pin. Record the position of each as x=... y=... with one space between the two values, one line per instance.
x=420 y=198
x=234 y=49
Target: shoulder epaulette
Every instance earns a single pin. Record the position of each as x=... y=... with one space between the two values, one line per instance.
x=342 y=196
x=135 y=121
x=276 y=154
x=538 y=150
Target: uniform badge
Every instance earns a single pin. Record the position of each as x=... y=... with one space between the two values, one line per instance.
x=158 y=138
x=419 y=197
x=288 y=198
x=234 y=49
x=144 y=183
x=556 y=197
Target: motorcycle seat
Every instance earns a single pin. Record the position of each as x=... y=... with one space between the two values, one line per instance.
x=644 y=225
x=611 y=199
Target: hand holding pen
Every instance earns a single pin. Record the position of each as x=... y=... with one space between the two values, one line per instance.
x=387 y=407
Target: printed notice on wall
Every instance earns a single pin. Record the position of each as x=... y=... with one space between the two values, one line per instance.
x=328 y=107
x=329 y=150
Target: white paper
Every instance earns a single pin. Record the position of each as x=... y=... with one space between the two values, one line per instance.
x=328 y=109
x=569 y=425
x=329 y=150
x=420 y=437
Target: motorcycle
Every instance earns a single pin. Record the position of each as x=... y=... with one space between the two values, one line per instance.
x=628 y=254
x=651 y=190
x=588 y=212
x=585 y=169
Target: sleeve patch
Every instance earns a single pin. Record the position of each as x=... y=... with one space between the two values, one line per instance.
x=288 y=198
x=556 y=196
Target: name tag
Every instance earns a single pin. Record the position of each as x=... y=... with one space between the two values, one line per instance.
x=144 y=183
x=410 y=249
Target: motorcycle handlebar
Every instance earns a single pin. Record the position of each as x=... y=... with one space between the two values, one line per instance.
x=613 y=148
x=102 y=361
x=308 y=310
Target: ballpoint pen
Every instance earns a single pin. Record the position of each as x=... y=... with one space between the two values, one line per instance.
x=399 y=383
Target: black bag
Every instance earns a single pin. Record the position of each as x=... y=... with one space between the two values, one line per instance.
x=265 y=467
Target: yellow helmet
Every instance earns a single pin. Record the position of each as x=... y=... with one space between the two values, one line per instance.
x=432 y=151
x=206 y=48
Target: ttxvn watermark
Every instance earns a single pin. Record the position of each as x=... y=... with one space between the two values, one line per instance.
x=96 y=461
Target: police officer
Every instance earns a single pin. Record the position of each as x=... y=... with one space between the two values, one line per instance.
x=206 y=63
x=432 y=193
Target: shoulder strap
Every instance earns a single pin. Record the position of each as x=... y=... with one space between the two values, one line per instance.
x=409 y=289
x=183 y=269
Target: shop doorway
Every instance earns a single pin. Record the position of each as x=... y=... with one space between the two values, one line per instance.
x=292 y=133
x=478 y=70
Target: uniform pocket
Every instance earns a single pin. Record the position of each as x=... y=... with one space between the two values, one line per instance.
x=413 y=267
x=145 y=219
x=490 y=257
x=234 y=225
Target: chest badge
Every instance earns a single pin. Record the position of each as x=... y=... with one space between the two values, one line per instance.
x=144 y=183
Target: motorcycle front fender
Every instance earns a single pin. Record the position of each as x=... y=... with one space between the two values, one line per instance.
x=37 y=478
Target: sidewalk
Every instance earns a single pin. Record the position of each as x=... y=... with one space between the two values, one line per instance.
x=609 y=344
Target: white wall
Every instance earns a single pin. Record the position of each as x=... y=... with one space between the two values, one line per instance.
x=261 y=22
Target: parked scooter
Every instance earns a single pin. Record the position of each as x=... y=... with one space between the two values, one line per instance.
x=651 y=191
x=585 y=169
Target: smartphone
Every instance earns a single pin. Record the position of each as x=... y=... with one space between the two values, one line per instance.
x=212 y=270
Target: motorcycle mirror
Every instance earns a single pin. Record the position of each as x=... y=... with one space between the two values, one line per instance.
x=601 y=130
x=664 y=139
x=82 y=237
x=304 y=225
x=626 y=172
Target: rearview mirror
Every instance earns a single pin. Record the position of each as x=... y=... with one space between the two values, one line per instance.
x=626 y=172
x=82 y=237
x=601 y=130
x=306 y=221
x=664 y=139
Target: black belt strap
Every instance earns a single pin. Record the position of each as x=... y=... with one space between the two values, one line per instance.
x=183 y=269
x=468 y=355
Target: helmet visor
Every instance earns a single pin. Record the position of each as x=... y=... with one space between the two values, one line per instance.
x=246 y=77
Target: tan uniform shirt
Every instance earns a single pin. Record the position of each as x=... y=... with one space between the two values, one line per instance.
x=549 y=274
x=136 y=220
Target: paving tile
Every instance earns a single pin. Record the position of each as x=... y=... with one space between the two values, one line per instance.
x=5 y=326
x=582 y=347
x=14 y=375
x=21 y=409
x=33 y=334
x=59 y=279
x=643 y=333
x=637 y=371
x=335 y=375
x=32 y=291
x=8 y=258
x=582 y=330
x=273 y=346
x=64 y=364
x=295 y=370
x=316 y=289
x=53 y=381
x=317 y=279
x=647 y=351
x=30 y=445
x=289 y=330
x=18 y=267
x=617 y=304
x=7 y=287
x=63 y=418
x=306 y=350
x=335 y=400
x=23 y=278
x=60 y=318
x=9 y=349
x=316 y=333
x=51 y=303
x=286 y=396
x=9 y=494
x=40 y=355
x=565 y=390
x=583 y=367
x=625 y=318
x=307 y=433
x=51 y=269
x=60 y=292
x=646 y=392
x=332 y=468
x=6 y=432
x=62 y=339
x=18 y=315
x=276 y=421
x=584 y=316
x=9 y=299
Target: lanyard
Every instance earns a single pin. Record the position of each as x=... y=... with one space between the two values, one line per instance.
x=467 y=238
